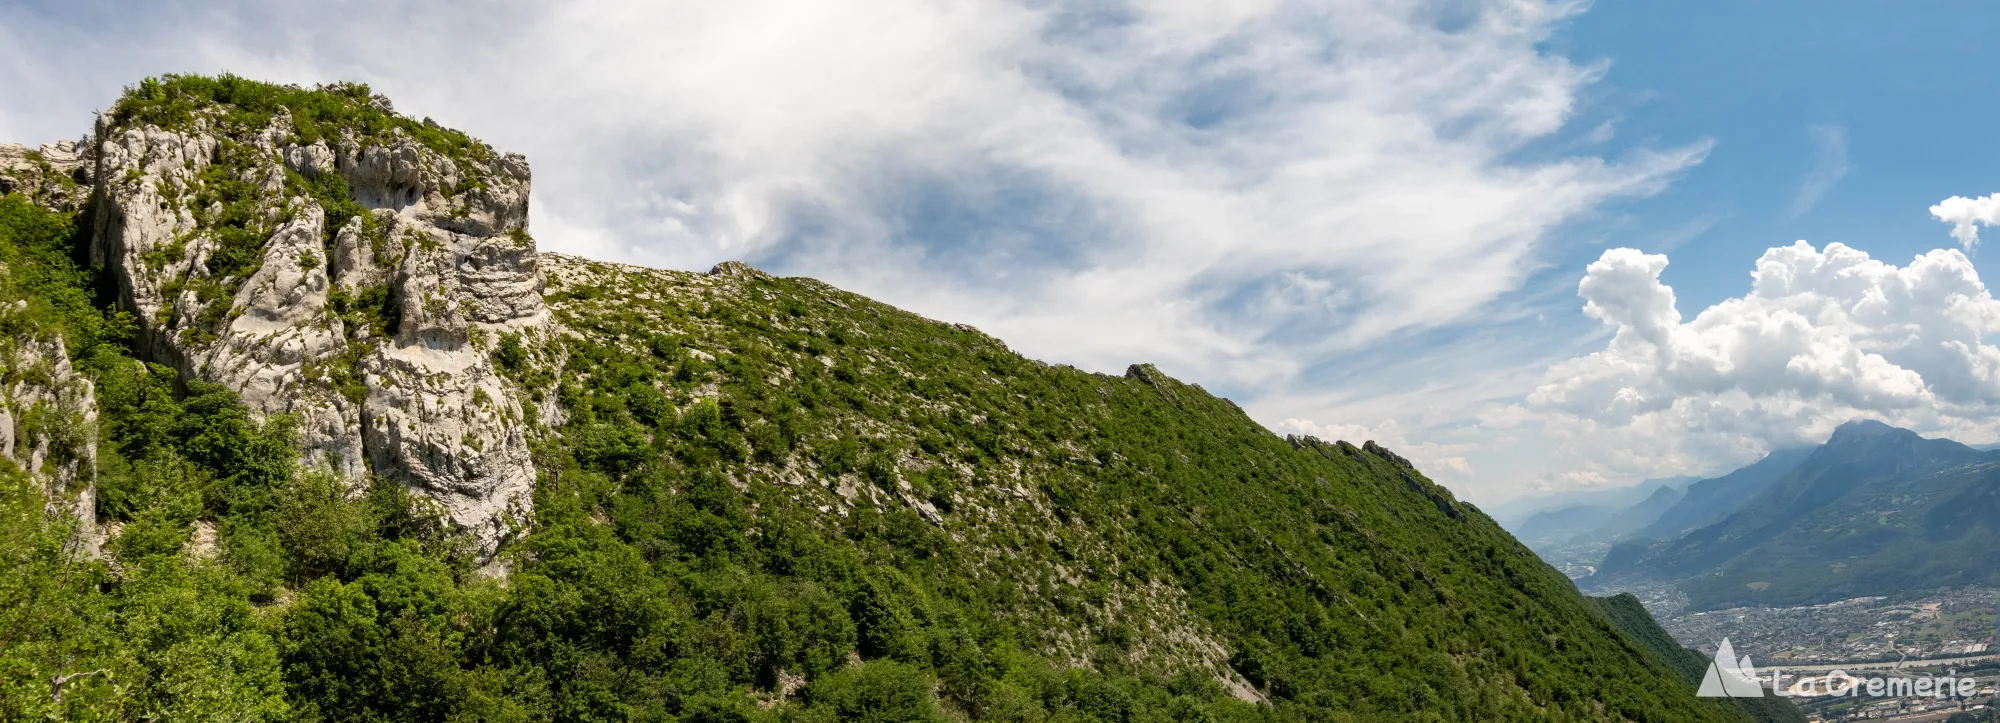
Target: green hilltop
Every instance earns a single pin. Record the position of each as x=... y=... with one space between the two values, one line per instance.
x=756 y=499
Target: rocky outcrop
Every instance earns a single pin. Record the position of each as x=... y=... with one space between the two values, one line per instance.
x=57 y=175
x=48 y=417
x=355 y=283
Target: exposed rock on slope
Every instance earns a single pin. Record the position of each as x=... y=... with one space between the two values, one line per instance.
x=57 y=175
x=351 y=280
x=760 y=498
x=1115 y=522
x=47 y=419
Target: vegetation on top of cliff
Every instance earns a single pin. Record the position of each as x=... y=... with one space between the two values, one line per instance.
x=978 y=536
x=229 y=197
x=765 y=499
x=330 y=112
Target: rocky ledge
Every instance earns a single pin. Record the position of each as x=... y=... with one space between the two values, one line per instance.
x=354 y=278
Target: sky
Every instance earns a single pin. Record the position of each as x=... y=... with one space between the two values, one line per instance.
x=1531 y=245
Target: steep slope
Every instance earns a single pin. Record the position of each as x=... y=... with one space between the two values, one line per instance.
x=48 y=411
x=1708 y=501
x=753 y=498
x=1871 y=500
x=1630 y=617
x=1138 y=508
x=1629 y=521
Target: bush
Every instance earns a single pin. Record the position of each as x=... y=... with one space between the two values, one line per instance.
x=881 y=691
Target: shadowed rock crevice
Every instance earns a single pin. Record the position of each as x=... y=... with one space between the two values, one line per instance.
x=354 y=282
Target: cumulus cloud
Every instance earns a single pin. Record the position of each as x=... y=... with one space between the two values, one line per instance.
x=1966 y=215
x=1824 y=336
x=1232 y=190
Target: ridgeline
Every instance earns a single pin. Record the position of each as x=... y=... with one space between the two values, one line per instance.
x=302 y=427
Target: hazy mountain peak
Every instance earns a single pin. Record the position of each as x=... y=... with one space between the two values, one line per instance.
x=1865 y=429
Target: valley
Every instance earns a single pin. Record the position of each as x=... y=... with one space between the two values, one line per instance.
x=1949 y=625
x=1873 y=548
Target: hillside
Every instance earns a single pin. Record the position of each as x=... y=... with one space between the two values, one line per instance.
x=1875 y=510
x=308 y=429
x=1626 y=522
x=1707 y=501
x=1631 y=618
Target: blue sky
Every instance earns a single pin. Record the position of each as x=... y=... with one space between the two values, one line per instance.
x=1512 y=239
x=1904 y=87
x=1828 y=122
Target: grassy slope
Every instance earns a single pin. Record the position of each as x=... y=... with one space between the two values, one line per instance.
x=1631 y=618
x=765 y=499
x=1335 y=579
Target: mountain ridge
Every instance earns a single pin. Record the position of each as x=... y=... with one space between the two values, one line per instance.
x=1708 y=500
x=748 y=498
x=1870 y=488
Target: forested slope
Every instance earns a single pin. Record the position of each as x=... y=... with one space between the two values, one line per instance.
x=1874 y=511
x=755 y=498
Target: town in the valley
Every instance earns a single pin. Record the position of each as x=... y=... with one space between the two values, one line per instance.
x=1937 y=633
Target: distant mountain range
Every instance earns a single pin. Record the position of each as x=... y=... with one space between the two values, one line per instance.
x=1708 y=501
x=1874 y=510
x=1566 y=516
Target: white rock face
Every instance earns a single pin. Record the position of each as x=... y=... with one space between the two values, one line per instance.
x=48 y=416
x=57 y=175
x=443 y=257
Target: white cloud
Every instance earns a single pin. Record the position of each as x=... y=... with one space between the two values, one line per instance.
x=1830 y=166
x=1824 y=336
x=1966 y=215
x=1232 y=190
x=1444 y=462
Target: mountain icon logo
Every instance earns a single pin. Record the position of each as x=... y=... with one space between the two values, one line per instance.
x=1729 y=677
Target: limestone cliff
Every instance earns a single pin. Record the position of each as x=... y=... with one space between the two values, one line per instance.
x=56 y=175
x=767 y=498
x=340 y=270
x=48 y=415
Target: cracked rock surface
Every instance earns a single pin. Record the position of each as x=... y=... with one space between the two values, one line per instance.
x=48 y=414
x=367 y=318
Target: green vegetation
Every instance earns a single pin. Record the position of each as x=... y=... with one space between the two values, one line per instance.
x=332 y=112
x=36 y=250
x=1631 y=618
x=228 y=198
x=1875 y=511
x=764 y=500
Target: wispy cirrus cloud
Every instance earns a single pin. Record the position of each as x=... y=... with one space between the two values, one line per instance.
x=1829 y=166
x=1247 y=193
